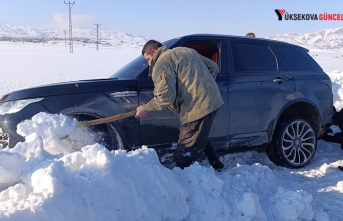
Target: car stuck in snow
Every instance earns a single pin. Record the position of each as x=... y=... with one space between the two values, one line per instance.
x=275 y=96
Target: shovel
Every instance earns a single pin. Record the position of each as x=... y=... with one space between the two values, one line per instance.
x=103 y=120
x=106 y=119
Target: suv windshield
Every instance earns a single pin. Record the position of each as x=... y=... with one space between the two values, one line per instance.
x=138 y=65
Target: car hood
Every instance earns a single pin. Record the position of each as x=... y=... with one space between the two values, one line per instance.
x=73 y=87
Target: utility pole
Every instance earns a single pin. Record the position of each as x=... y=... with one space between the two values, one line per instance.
x=97 y=36
x=70 y=6
x=65 y=37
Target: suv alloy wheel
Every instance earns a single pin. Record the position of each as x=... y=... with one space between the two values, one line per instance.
x=294 y=143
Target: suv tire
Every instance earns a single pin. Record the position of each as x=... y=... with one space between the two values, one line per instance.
x=103 y=134
x=294 y=143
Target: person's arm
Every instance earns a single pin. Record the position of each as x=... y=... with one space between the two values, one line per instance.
x=164 y=91
x=211 y=66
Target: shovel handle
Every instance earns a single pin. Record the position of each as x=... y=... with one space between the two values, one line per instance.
x=106 y=119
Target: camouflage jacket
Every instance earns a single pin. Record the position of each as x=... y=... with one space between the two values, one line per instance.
x=185 y=83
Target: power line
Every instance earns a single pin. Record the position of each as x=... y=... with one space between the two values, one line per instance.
x=97 y=36
x=70 y=6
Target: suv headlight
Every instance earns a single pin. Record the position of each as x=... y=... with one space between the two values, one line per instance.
x=11 y=107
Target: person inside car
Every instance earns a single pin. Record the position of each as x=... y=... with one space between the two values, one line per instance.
x=184 y=81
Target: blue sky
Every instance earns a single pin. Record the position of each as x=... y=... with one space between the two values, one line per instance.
x=162 y=19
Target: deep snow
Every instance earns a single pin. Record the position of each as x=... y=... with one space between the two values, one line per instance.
x=45 y=178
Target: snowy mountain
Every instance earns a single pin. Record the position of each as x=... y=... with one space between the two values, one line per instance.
x=15 y=31
x=325 y=39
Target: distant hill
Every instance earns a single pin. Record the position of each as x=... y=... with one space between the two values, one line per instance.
x=326 y=39
x=90 y=34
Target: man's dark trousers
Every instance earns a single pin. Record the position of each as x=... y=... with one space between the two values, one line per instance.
x=193 y=141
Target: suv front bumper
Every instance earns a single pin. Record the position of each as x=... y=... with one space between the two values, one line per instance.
x=9 y=122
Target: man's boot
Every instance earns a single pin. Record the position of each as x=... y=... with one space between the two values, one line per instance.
x=213 y=157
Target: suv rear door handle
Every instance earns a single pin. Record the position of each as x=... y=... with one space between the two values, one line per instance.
x=280 y=80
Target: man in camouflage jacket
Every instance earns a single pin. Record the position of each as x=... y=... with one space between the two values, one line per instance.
x=185 y=83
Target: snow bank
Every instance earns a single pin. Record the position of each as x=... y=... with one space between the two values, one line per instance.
x=44 y=179
x=337 y=89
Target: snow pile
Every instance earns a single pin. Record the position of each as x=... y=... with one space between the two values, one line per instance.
x=337 y=90
x=42 y=179
x=82 y=185
x=292 y=205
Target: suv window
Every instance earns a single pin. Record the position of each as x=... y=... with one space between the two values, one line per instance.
x=294 y=60
x=207 y=50
x=137 y=66
x=253 y=57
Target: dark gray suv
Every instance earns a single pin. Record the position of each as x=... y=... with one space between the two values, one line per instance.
x=276 y=97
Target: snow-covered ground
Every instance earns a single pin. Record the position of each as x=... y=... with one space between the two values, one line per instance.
x=25 y=64
x=46 y=179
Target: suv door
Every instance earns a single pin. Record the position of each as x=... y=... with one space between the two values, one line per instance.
x=259 y=88
x=214 y=49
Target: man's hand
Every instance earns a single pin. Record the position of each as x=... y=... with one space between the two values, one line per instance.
x=141 y=112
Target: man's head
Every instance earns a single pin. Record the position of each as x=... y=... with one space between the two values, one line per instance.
x=149 y=50
x=250 y=35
